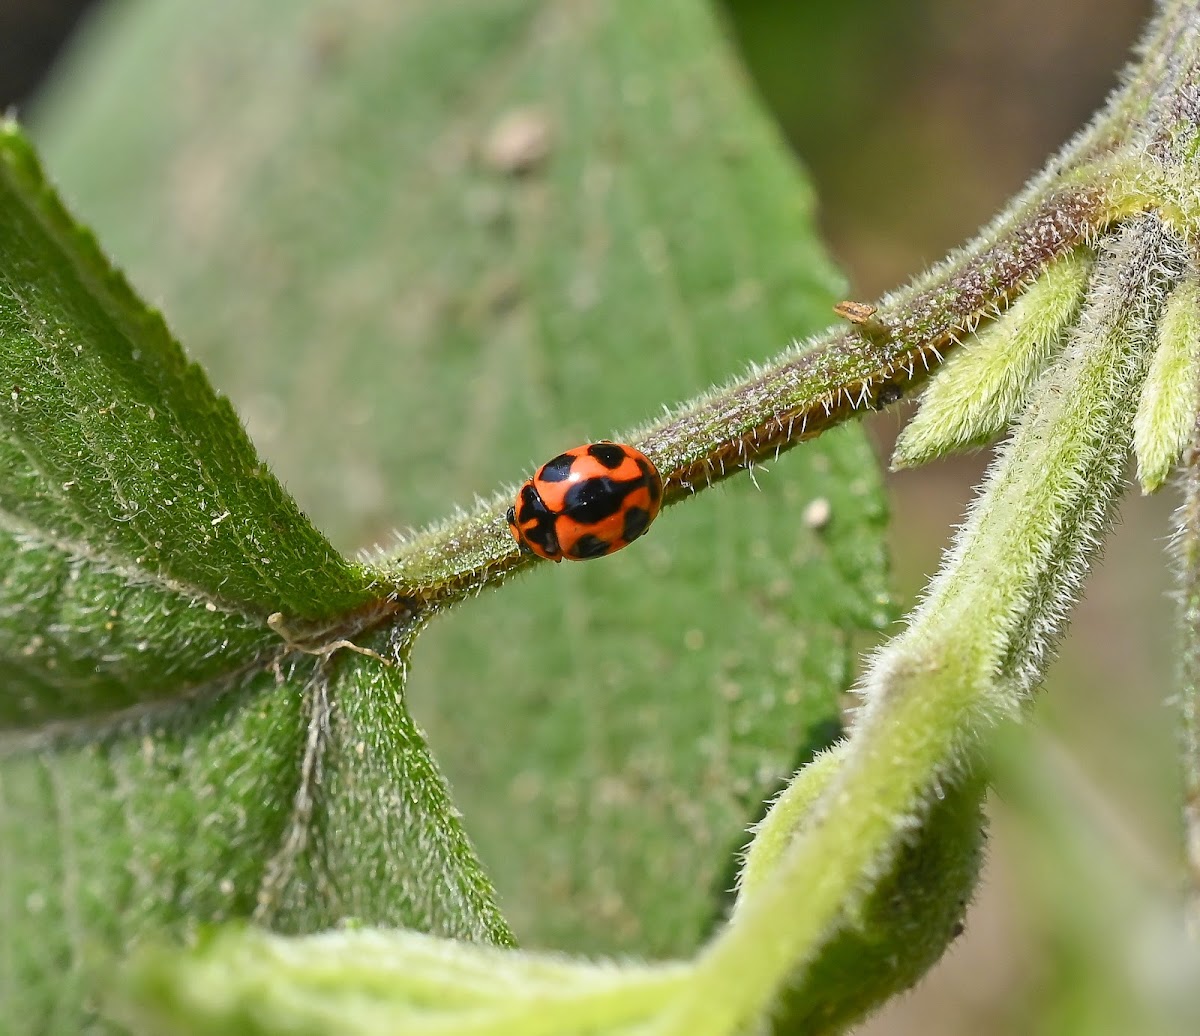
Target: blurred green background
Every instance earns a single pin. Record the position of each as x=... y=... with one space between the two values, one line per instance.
x=917 y=120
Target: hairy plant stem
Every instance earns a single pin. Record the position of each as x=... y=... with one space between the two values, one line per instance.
x=1135 y=156
x=976 y=645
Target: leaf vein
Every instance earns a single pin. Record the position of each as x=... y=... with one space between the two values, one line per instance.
x=149 y=715
x=27 y=536
x=280 y=868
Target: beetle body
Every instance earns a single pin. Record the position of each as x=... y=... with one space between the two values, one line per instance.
x=586 y=503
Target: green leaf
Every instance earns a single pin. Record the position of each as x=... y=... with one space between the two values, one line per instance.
x=887 y=943
x=369 y=982
x=127 y=489
x=404 y=318
x=164 y=758
x=1166 y=415
x=988 y=381
x=901 y=928
x=364 y=983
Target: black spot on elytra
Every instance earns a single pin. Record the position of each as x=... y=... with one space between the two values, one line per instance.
x=589 y=546
x=595 y=499
x=529 y=505
x=558 y=469
x=652 y=481
x=511 y=515
x=543 y=537
x=607 y=453
x=637 y=521
x=535 y=520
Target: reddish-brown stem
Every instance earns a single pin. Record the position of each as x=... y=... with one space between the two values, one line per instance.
x=854 y=370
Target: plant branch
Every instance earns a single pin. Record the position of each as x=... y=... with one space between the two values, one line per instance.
x=1119 y=166
x=979 y=642
x=803 y=393
x=973 y=649
x=1134 y=157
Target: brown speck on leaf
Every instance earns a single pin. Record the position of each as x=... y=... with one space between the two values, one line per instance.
x=865 y=318
x=496 y=296
x=502 y=293
x=327 y=44
x=855 y=312
x=518 y=143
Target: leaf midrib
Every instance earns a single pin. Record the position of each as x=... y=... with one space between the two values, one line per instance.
x=153 y=712
x=25 y=533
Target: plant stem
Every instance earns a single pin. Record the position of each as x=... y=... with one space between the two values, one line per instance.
x=973 y=649
x=1135 y=156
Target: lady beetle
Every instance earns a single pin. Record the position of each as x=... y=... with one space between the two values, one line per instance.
x=585 y=503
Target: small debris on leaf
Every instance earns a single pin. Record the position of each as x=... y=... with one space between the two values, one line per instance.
x=855 y=312
x=518 y=143
x=817 y=513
